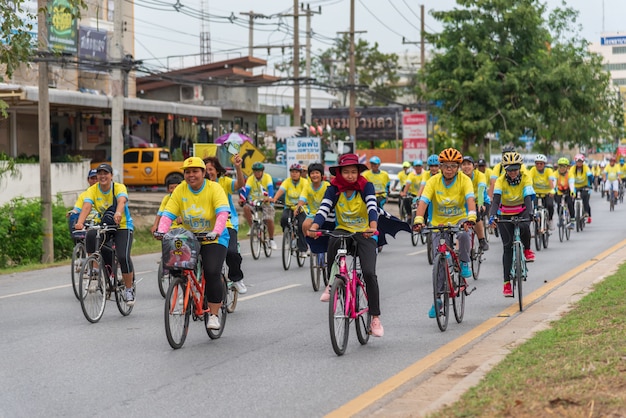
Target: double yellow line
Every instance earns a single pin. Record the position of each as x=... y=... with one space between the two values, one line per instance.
x=383 y=389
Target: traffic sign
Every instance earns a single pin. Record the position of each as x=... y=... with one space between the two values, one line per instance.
x=249 y=155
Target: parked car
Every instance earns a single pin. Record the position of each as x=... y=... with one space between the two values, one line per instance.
x=394 y=183
x=279 y=173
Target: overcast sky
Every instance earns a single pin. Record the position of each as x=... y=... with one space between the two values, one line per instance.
x=162 y=32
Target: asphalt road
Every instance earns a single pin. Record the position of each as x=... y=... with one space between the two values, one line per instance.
x=274 y=358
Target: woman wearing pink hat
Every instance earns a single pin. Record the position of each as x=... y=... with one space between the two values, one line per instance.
x=354 y=200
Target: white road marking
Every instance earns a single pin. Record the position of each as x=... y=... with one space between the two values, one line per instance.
x=267 y=292
x=30 y=292
x=417 y=252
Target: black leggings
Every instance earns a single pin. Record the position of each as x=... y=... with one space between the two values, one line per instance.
x=568 y=201
x=123 y=239
x=233 y=257
x=284 y=220
x=366 y=248
x=213 y=256
x=507 y=235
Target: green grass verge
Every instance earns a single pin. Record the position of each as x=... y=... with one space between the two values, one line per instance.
x=574 y=369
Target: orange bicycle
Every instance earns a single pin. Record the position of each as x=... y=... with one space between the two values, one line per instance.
x=185 y=299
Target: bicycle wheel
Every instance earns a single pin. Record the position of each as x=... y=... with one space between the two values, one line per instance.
x=611 y=201
x=231 y=296
x=92 y=284
x=415 y=237
x=458 y=302
x=476 y=256
x=546 y=238
x=567 y=229
x=120 y=292
x=429 y=249
x=286 y=248
x=561 y=225
x=321 y=262
x=518 y=275
x=163 y=280
x=79 y=255
x=315 y=271
x=255 y=241
x=537 y=234
x=578 y=217
x=177 y=312
x=338 y=320
x=423 y=237
x=363 y=317
x=441 y=300
x=300 y=258
x=267 y=247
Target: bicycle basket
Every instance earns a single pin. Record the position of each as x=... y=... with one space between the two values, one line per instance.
x=180 y=250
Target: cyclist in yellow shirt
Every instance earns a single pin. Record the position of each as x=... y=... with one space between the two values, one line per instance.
x=498 y=171
x=433 y=169
x=512 y=196
x=611 y=177
x=479 y=183
x=580 y=180
x=312 y=194
x=72 y=215
x=380 y=179
x=412 y=186
x=543 y=182
x=292 y=189
x=451 y=195
x=260 y=187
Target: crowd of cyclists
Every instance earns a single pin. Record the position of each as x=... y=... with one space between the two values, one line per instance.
x=449 y=188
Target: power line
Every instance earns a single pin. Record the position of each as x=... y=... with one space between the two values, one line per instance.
x=402 y=15
x=380 y=21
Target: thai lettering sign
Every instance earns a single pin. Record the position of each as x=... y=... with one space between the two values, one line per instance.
x=92 y=47
x=62 y=30
x=415 y=136
x=372 y=123
x=304 y=151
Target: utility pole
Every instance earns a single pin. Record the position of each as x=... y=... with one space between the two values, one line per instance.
x=251 y=15
x=422 y=40
x=117 y=91
x=309 y=13
x=43 y=107
x=351 y=79
x=296 y=65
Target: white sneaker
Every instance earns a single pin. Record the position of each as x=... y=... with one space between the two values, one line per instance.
x=240 y=286
x=130 y=296
x=248 y=233
x=273 y=245
x=213 y=322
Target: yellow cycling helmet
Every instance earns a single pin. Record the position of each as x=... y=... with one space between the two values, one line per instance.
x=511 y=158
x=450 y=155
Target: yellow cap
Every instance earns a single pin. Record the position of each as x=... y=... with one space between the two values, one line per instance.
x=193 y=162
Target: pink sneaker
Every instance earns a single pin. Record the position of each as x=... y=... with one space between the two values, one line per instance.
x=325 y=295
x=376 y=328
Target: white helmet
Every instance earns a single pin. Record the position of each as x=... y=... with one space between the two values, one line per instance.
x=603 y=164
x=541 y=158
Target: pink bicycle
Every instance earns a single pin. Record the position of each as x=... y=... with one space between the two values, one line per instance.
x=348 y=296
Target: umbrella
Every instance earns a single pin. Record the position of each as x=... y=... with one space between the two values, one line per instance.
x=233 y=137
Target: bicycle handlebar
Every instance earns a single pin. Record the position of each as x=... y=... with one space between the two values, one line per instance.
x=200 y=236
x=322 y=232
x=514 y=220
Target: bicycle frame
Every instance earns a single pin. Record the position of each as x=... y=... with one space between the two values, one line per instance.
x=517 y=247
x=443 y=247
x=193 y=288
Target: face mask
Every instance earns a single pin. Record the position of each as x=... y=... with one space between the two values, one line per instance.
x=513 y=182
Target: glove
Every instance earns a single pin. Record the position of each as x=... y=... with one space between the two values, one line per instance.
x=419 y=220
x=492 y=220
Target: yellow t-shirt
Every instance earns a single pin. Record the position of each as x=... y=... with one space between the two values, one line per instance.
x=426 y=175
x=93 y=216
x=402 y=176
x=198 y=209
x=478 y=179
x=579 y=177
x=166 y=199
x=512 y=199
x=542 y=181
x=380 y=180
x=228 y=184
x=293 y=191
x=259 y=189
x=612 y=172
x=415 y=180
x=351 y=213
x=101 y=201
x=313 y=198
x=449 y=202
x=623 y=170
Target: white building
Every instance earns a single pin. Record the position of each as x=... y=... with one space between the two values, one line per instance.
x=612 y=47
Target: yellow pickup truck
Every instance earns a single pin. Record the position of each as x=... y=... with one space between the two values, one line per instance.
x=149 y=167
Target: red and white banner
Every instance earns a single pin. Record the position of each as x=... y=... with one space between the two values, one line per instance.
x=415 y=136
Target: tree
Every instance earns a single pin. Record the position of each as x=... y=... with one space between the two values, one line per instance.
x=376 y=75
x=482 y=69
